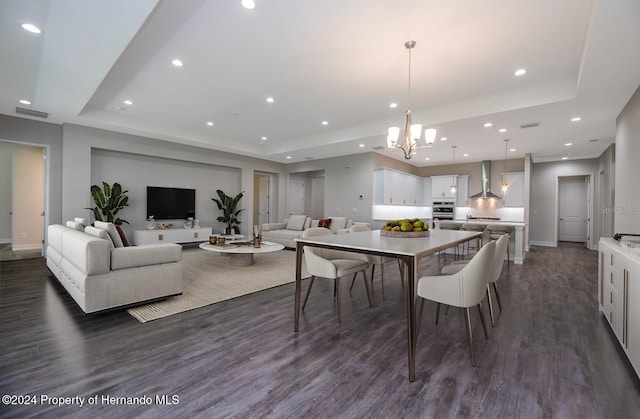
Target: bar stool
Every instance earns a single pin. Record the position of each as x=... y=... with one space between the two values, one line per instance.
x=496 y=230
x=471 y=227
x=445 y=225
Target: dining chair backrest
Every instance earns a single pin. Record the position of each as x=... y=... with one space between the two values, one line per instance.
x=498 y=260
x=474 y=277
x=359 y=227
x=323 y=253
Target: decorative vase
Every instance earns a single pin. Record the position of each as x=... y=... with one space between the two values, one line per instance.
x=151 y=224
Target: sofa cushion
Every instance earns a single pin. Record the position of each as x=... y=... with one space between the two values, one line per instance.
x=338 y=223
x=153 y=254
x=296 y=222
x=324 y=222
x=112 y=231
x=75 y=225
x=123 y=236
x=98 y=232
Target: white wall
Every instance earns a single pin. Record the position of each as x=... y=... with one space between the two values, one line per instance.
x=627 y=168
x=80 y=143
x=606 y=178
x=6 y=181
x=544 y=196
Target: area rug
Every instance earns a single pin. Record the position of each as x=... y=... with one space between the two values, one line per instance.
x=209 y=279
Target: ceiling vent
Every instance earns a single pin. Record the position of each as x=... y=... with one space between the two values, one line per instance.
x=379 y=147
x=530 y=125
x=31 y=112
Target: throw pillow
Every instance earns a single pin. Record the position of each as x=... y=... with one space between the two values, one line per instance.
x=112 y=231
x=296 y=222
x=324 y=222
x=123 y=236
x=82 y=221
x=74 y=225
x=338 y=223
x=98 y=232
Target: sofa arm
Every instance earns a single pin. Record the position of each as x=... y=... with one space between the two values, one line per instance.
x=153 y=254
x=273 y=226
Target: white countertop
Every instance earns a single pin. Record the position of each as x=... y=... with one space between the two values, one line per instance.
x=485 y=222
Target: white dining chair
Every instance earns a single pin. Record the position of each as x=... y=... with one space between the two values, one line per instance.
x=496 y=230
x=332 y=264
x=376 y=260
x=464 y=288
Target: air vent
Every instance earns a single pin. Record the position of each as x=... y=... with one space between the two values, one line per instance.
x=379 y=147
x=530 y=125
x=308 y=158
x=31 y=112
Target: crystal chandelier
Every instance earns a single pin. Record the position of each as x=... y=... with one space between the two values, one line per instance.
x=412 y=132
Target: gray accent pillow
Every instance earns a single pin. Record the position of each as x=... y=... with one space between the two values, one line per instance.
x=112 y=231
x=296 y=222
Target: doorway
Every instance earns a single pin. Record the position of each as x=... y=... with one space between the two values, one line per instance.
x=22 y=197
x=262 y=193
x=574 y=207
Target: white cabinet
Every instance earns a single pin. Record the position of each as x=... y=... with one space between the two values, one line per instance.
x=515 y=194
x=395 y=188
x=463 y=190
x=441 y=186
x=427 y=200
x=619 y=295
x=174 y=235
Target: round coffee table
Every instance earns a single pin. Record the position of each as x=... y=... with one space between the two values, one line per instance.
x=241 y=254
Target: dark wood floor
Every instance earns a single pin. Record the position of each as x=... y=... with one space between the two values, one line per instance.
x=550 y=354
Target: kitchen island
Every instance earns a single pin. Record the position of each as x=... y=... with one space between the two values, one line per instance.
x=517 y=240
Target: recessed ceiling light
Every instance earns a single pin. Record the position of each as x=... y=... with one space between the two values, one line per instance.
x=29 y=27
x=565 y=158
x=288 y=157
x=443 y=139
x=568 y=144
x=520 y=72
x=488 y=124
x=427 y=158
x=25 y=102
x=361 y=145
x=393 y=105
x=512 y=150
x=127 y=102
x=210 y=123
x=576 y=119
x=248 y=4
x=325 y=122
x=502 y=130
x=270 y=99
x=177 y=63
x=263 y=138
x=465 y=155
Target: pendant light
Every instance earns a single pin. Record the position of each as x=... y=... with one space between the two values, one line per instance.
x=504 y=186
x=454 y=187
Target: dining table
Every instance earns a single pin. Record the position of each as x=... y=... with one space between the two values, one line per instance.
x=409 y=250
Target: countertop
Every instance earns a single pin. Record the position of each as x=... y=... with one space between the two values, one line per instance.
x=485 y=222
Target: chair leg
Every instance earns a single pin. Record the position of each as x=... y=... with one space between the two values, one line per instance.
x=419 y=315
x=308 y=291
x=438 y=313
x=401 y=273
x=337 y=287
x=353 y=281
x=366 y=285
x=381 y=279
x=493 y=323
x=508 y=254
x=467 y=324
x=484 y=325
x=495 y=289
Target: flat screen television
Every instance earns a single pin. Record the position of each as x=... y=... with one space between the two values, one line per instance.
x=171 y=203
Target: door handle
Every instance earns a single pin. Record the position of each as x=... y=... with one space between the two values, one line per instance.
x=562 y=219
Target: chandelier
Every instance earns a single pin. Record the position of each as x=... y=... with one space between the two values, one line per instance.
x=454 y=187
x=504 y=186
x=412 y=132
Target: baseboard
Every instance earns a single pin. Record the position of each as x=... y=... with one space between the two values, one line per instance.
x=545 y=244
x=5 y=241
x=22 y=247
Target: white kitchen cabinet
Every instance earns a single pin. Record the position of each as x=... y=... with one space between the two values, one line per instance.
x=441 y=186
x=396 y=188
x=619 y=295
x=462 y=193
x=427 y=200
x=515 y=194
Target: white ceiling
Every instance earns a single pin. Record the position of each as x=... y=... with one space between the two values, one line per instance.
x=334 y=60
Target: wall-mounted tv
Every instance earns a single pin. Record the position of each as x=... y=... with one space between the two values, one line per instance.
x=171 y=203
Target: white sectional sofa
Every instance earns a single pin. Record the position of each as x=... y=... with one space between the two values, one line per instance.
x=100 y=276
x=291 y=229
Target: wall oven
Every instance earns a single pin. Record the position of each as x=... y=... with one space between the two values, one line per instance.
x=443 y=209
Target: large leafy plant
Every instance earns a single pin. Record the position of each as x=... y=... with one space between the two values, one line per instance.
x=228 y=205
x=109 y=201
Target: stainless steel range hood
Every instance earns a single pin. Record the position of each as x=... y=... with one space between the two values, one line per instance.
x=486 y=182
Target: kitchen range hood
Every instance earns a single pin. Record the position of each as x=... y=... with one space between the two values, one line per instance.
x=486 y=182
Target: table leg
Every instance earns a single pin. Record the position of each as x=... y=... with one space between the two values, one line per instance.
x=296 y=320
x=410 y=274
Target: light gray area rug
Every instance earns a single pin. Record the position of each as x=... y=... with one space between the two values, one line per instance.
x=209 y=279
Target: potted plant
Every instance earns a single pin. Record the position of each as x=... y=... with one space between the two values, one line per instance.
x=228 y=205
x=109 y=201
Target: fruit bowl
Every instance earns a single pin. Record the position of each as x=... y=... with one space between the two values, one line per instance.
x=405 y=234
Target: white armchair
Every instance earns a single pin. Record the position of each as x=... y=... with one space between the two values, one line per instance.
x=464 y=288
x=332 y=264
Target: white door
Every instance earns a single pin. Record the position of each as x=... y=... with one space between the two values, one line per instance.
x=296 y=196
x=571 y=210
x=317 y=198
x=263 y=200
x=587 y=212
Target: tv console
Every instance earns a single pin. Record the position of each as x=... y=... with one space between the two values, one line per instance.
x=171 y=235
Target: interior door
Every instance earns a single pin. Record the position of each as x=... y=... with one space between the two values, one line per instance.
x=587 y=216
x=296 y=196
x=571 y=210
x=263 y=200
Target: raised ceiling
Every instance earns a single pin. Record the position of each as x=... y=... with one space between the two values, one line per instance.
x=337 y=61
